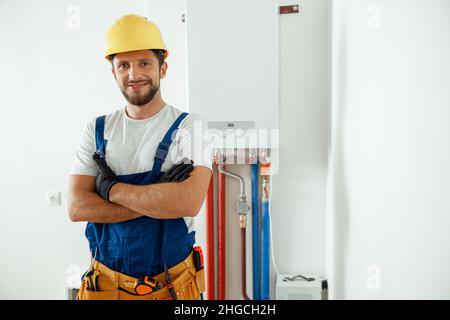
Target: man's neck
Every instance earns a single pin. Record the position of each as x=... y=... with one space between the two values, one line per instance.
x=145 y=111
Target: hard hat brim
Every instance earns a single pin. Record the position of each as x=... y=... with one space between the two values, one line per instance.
x=117 y=50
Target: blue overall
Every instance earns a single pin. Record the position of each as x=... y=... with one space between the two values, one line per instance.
x=140 y=247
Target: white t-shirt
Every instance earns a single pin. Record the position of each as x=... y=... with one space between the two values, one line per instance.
x=131 y=144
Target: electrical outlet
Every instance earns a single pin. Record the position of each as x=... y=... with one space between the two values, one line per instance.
x=53 y=198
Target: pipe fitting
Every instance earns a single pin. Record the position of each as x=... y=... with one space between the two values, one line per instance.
x=242 y=221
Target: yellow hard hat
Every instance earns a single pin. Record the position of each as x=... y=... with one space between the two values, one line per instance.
x=132 y=32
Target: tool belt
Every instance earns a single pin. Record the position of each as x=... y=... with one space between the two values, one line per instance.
x=102 y=283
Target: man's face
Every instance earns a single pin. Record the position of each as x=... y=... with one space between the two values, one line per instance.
x=138 y=75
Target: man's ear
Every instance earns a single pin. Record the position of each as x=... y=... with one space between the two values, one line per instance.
x=163 y=70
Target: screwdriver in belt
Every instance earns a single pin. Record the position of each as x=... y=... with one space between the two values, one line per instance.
x=170 y=284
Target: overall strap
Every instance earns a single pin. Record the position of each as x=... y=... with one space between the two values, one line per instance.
x=161 y=154
x=99 y=137
x=163 y=147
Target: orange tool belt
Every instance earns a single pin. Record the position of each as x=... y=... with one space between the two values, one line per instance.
x=187 y=281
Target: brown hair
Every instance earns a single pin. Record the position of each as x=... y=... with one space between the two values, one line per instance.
x=158 y=53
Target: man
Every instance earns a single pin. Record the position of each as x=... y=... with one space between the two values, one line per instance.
x=132 y=184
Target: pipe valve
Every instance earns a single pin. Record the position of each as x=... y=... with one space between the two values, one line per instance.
x=242 y=209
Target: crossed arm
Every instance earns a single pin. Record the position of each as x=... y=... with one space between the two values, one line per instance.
x=169 y=200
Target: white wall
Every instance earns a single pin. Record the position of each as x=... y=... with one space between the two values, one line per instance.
x=390 y=155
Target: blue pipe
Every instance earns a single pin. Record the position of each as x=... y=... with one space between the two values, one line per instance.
x=255 y=233
x=265 y=248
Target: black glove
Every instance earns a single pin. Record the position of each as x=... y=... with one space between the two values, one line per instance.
x=177 y=173
x=106 y=179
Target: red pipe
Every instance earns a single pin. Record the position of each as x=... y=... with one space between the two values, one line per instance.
x=221 y=224
x=244 y=265
x=210 y=252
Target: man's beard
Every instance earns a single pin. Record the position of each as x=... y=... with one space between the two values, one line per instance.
x=141 y=98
